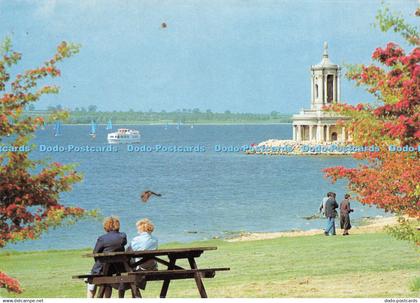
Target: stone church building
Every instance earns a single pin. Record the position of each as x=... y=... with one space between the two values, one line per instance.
x=315 y=124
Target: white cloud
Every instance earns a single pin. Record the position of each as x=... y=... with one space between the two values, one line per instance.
x=45 y=8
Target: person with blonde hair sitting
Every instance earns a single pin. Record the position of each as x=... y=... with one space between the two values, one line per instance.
x=145 y=241
x=112 y=241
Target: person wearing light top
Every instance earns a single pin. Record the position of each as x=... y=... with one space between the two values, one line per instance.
x=145 y=241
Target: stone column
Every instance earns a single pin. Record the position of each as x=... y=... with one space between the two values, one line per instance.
x=325 y=90
x=312 y=93
x=322 y=89
x=299 y=133
x=338 y=86
x=328 y=139
x=335 y=89
x=343 y=134
x=318 y=133
x=310 y=132
x=294 y=132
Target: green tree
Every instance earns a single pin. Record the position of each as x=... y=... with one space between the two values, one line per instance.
x=29 y=190
x=389 y=180
x=92 y=108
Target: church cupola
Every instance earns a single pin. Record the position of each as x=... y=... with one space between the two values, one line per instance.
x=325 y=82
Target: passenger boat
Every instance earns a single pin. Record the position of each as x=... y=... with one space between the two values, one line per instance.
x=124 y=135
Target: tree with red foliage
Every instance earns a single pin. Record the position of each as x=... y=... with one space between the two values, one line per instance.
x=388 y=179
x=29 y=189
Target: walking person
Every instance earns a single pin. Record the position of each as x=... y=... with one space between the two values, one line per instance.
x=324 y=201
x=330 y=213
x=345 y=211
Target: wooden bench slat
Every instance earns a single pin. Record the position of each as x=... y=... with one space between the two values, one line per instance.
x=115 y=279
x=85 y=276
x=152 y=275
x=179 y=276
x=157 y=252
x=175 y=271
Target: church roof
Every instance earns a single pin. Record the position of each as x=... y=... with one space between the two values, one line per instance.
x=325 y=63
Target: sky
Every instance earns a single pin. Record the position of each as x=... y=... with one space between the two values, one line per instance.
x=238 y=55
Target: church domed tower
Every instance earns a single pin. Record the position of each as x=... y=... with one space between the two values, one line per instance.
x=315 y=124
x=325 y=82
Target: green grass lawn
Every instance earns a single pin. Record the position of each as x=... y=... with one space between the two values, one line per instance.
x=368 y=265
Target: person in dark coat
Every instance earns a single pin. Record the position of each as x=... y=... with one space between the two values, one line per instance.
x=112 y=241
x=322 y=205
x=345 y=211
x=331 y=213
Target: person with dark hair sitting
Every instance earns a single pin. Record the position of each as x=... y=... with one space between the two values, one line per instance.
x=112 y=241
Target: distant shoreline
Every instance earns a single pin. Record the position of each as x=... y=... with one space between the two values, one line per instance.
x=185 y=117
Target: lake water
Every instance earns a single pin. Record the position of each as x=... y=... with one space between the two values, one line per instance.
x=204 y=194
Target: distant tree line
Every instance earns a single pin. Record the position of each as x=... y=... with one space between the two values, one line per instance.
x=82 y=115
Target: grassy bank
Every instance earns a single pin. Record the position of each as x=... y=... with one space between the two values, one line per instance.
x=362 y=265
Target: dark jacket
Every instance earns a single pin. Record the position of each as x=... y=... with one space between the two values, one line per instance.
x=345 y=207
x=330 y=208
x=110 y=242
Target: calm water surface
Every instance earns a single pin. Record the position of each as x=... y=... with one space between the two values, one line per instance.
x=205 y=194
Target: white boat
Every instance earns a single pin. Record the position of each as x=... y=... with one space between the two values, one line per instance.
x=124 y=135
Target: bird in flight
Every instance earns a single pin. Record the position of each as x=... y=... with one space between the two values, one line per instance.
x=147 y=194
x=163 y=25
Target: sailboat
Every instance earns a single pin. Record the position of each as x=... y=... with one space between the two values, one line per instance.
x=57 y=129
x=93 y=129
x=109 y=125
x=178 y=125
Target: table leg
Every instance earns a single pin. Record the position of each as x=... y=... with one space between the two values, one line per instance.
x=121 y=293
x=102 y=288
x=101 y=291
x=135 y=292
x=165 y=284
x=197 y=278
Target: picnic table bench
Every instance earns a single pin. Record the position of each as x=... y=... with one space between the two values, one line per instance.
x=126 y=273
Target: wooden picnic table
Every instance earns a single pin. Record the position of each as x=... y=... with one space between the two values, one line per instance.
x=125 y=273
